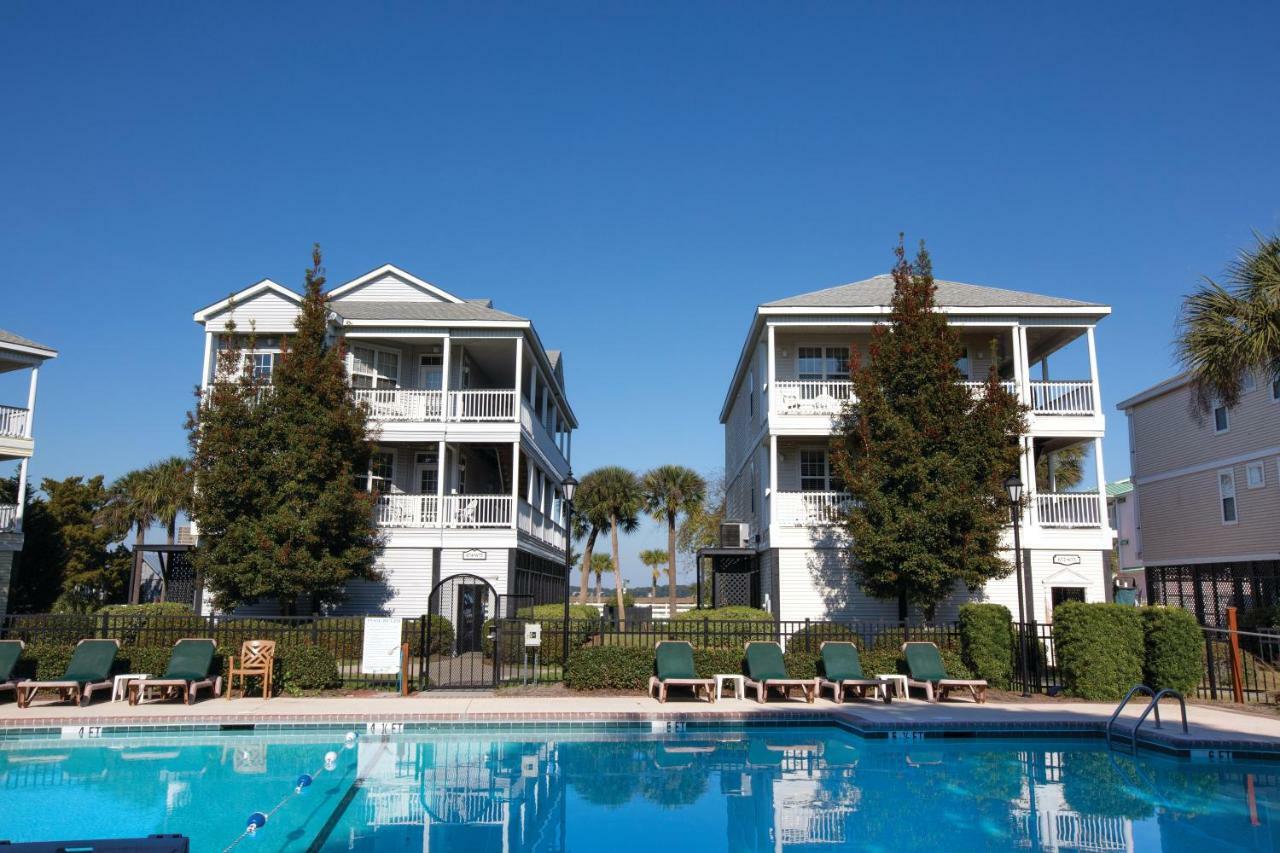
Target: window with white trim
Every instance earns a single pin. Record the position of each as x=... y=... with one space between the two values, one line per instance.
x=816 y=474
x=260 y=353
x=1227 y=495
x=381 y=472
x=1255 y=475
x=962 y=363
x=823 y=365
x=1248 y=382
x=1275 y=389
x=1221 y=420
x=374 y=368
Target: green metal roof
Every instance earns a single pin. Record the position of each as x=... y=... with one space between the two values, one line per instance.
x=1119 y=487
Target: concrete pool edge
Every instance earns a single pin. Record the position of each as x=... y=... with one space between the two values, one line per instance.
x=910 y=720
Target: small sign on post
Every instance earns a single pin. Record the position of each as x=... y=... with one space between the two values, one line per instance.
x=533 y=635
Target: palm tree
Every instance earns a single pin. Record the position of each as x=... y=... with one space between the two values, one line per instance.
x=166 y=487
x=128 y=507
x=1225 y=332
x=621 y=498
x=669 y=491
x=653 y=558
x=600 y=563
x=590 y=519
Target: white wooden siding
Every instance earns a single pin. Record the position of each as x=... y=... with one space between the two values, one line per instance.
x=264 y=312
x=388 y=287
x=492 y=568
x=403 y=592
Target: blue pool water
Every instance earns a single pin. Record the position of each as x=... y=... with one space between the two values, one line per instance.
x=792 y=788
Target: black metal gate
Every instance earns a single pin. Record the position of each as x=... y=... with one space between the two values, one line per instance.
x=460 y=638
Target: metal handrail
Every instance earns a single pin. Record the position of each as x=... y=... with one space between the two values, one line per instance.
x=1137 y=688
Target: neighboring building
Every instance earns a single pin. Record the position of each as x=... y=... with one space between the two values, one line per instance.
x=1124 y=522
x=17 y=442
x=792 y=378
x=473 y=432
x=1207 y=494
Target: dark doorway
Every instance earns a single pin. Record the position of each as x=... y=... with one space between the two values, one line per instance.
x=471 y=605
x=1066 y=593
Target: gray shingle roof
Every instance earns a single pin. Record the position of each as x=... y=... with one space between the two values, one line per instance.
x=18 y=340
x=424 y=310
x=878 y=291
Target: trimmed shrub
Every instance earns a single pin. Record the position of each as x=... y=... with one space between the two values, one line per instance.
x=1174 y=649
x=149 y=659
x=986 y=642
x=45 y=661
x=1099 y=648
x=584 y=623
x=711 y=662
x=724 y=614
x=609 y=668
x=154 y=608
x=725 y=626
x=309 y=667
x=802 y=663
x=886 y=657
x=811 y=637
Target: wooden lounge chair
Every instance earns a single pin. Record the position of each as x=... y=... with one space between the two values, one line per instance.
x=88 y=672
x=257 y=658
x=10 y=651
x=673 y=663
x=188 y=671
x=766 y=669
x=928 y=672
x=843 y=670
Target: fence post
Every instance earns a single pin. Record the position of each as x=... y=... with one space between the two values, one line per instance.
x=706 y=630
x=1208 y=662
x=1237 y=682
x=106 y=626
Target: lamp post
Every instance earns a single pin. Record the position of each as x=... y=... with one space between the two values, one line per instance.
x=1013 y=486
x=568 y=486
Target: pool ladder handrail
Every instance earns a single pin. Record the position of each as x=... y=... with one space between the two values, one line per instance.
x=1153 y=705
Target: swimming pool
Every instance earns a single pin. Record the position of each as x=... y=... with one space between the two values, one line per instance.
x=627 y=788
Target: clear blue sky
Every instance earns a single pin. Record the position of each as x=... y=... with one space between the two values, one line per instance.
x=634 y=177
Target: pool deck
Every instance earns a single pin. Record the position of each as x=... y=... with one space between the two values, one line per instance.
x=1211 y=728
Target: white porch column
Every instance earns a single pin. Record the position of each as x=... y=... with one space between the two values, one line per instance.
x=31 y=399
x=1093 y=373
x=533 y=388
x=568 y=447
x=515 y=483
x=22 y=493
x=1102 y=482
x=771 y=372
x=446 y=346
x=208 y=357
x=773 y=474
x=519 y=377
x=441 y=473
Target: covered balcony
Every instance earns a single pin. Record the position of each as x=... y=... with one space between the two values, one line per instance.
x=13 y=422
x=1066 y=494
x=9 y=518
x=807 y=490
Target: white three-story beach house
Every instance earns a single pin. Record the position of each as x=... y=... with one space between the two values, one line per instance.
x=17 y=443
x=791 y=380
x=473 y=433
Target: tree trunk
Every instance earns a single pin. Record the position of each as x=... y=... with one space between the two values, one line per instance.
x=671 y=561
x=902 y=604
x=617 y=575
x=586 y=564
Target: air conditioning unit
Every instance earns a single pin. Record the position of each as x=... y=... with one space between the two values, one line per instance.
x=735 y=534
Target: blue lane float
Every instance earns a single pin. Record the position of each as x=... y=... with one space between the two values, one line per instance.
x=304 y=781
x=256 y=821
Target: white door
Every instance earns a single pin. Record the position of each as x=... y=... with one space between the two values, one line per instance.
x=430 y=371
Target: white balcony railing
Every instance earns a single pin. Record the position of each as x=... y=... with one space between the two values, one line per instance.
x=13 y=421
x=976 y=387
x=8 y=518
x=482 y=405
x=401 y=404
x=810 y=509
x=807 y=397
x=536 y=523
x=457 y=511
x=1074 y=397
x=1068 y=509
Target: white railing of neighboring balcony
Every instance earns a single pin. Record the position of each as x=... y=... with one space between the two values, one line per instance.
x=13 y=421
x=8 y=518
x=811 y=397
x=401 y=404
x=1074 y=397
x=482 y=405
x=806 y=509
x=539 y=525
x=1068 y=509
x=465 y=511
x=976 y=387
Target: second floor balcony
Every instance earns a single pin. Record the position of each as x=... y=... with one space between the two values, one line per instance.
x=827 y=397
x=13 y=422
x=466 y=512
x=1055 y=510
x=9 y=518
x=409 y=404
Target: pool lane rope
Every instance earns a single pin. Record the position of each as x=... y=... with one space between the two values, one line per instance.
x=257 y=820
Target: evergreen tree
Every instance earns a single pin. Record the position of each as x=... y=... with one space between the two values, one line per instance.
x=78 y=547
x=280 y=502
x=36 y=581
x=924 y=458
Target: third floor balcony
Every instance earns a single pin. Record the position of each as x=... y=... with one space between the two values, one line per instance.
x=828 y=396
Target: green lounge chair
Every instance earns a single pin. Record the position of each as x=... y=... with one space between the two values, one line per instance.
x=10 y=651
x=88 y=672
x=673 y=665
x=928 y=672
x=766 y=669
x=843 y=669
x=188 y=671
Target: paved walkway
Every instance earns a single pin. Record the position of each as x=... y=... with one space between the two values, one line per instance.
x=1210 y=727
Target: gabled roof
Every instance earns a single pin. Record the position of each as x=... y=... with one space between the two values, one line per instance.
x=8 y=340
x=249 y=292
x=1171 y=384
x=353 y=310
x=394 y=270
x=877 y=291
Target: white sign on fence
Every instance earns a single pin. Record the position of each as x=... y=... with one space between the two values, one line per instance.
x=533 y=634
x=381 y=653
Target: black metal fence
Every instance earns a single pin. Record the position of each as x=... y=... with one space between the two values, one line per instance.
x=1259 y=666
x=1035 y=662
x=342 y=636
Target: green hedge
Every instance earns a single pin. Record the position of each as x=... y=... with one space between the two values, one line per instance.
x=1099 y=648
x=724 y=627
x=1174 y=645
x=609 y=668
x=584 y=623
x=724 y=614
x=306 y=668
x=986 y=642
